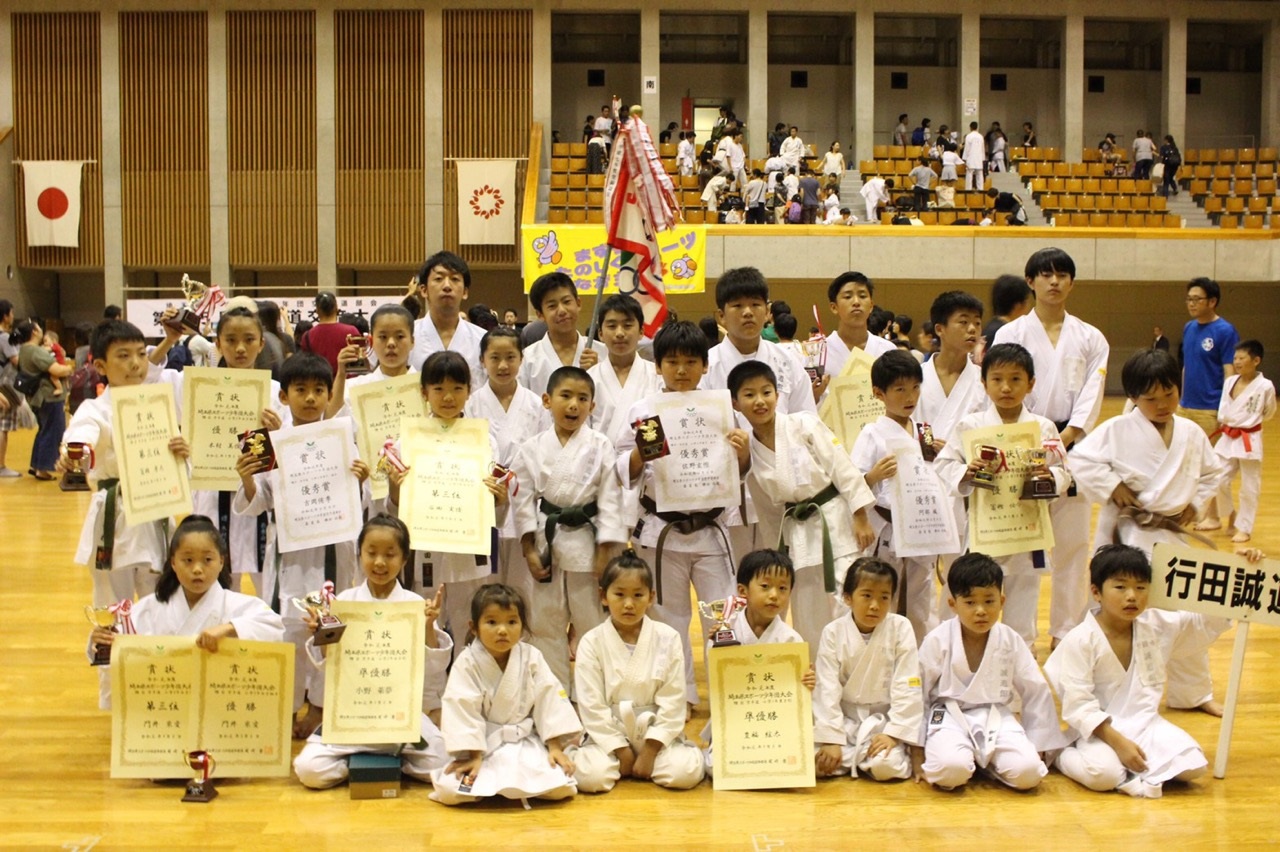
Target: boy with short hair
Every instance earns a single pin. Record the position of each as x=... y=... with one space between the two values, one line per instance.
x=805 y=489
x=1008 y=375
x=895 y=380
x=851 y=298
x=306 y=381
x=972 y=666
x=1248 y=399
x=568 y=512
x=623 y=377
x=444 y=282
x=555 y=300
x=682 y=547
x=1110 y=672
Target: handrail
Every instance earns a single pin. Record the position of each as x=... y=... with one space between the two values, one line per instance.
x=532 y=175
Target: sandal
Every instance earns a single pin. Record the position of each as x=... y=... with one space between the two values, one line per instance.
x=43 y=476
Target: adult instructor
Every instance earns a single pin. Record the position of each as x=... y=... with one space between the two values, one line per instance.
x=1208 y=347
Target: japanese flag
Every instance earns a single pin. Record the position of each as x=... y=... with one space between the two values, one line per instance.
x=52 y=202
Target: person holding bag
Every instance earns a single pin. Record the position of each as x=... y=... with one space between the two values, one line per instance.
x=35 y=361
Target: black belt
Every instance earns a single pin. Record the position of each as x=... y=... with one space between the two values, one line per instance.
x=568 y=516
x=685 y=523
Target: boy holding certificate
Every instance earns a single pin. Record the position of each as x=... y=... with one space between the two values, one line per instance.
x=852 y=299
x=555 y=300
x=809 y=497
x=306 y=382
x=880 y=448
x=1008 y=374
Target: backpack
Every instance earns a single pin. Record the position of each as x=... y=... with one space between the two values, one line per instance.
x=84 y=385
x=917 y=136
x=180 y=355
x=793 y=212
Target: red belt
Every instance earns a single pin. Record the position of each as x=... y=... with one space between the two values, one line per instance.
x=1241 y=432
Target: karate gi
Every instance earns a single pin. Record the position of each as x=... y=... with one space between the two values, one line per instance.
x=1095 y=687
x=875 y=193
x=465 y=341
x=1070 y=380
x=684 y=158
x=1021 y=576
x=915 y=573
x=795 y=391
x=838 y=351
x=805 y=461
x=252 y=619
x=701 y=557
x=792 y=151
x=628 y=694
x=578 y=473
x=320 y=765
x=613 y=401
x=1240 y=445
x=541 y=360
x=868 y=684
x=974 y=155
x=969 y=722
x=507 y=714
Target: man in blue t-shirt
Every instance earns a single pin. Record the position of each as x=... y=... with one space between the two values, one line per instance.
x=1208 y=347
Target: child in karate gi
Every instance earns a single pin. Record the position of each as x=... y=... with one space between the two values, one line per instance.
x=1110 y=673
x=629 y=681
x=851 y=297
x=810 y=499
x=867 y=707
x=193 y=598
x=1248 y=400
x=506 y=720
x=444 y=282
x=555 y=300
x=568 y=514
x=384 y=548
x=972 y=667
x=623 y=377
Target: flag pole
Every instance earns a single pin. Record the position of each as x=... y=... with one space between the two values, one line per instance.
x=595 y=313
x=614 y=165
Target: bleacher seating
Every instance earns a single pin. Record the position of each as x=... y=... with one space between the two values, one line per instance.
x=1235 y=186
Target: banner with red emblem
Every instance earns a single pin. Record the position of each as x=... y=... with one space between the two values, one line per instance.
x=487 y=206
x=52 y=202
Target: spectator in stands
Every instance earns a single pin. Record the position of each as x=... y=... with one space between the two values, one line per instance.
x=775 y=139
x=1171 y=159
x=974 y=156
x=510 y=319
x=1107 y=151
x=922 y=184
x=830 y=205
x=1028 y=135
x=792 y=149
x=1011 y=297
x=920 y=136
x=604 y=125
x=1144 y=153
x=588 y=127
x=902 y=133
x=900 y=329
x=809 y=200
x=876 y=192
x=665 y=136
x=1159 y=341
x=112 y=312
x=833 y=164
x=328 y=336
x=950 y=159
x=1008 y=205
x=791 y=182
x=754 y=198
x=846 y=217
x=685 y=153
x=706 y=169
x=999 y=151
x=990 y=138
x=735 y=156
x=714 y=193
x=597 y=154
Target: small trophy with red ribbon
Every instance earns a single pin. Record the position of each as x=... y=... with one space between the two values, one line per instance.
x=76 y=477
x=720 y=612
x=993 y=461
x=331 y=627
x=1037 y=485
x=115 y=618
x=200 y=788
x=361 y=365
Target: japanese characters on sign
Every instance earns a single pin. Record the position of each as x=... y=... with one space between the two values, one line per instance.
x=145 y=313
x=317 y=498
x=153 y=481
x=579 y=251
x=700 y=472
x=1215 y=583
x=444 y=500
x=378 y=408
x=217 y=407
x=1001 y=522
x=850 y=403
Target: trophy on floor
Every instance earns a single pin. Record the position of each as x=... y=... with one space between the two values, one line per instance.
x=187 y=319
x=360 y=366
x=76 y=477
x=331 y=627
x=200 y=788
x=1037 y=486
x=815 y=356
x=720 y=612
x=991 y=457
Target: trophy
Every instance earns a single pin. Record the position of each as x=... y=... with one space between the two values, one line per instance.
x=720 y=612
x=200 y=788
x=990 y=456
x=76 y=477
x=651 y=440
x=815 y=356
x=331 y=627
x=257 y=442
x=360 y=366
x=193 y=293
x=1036 y=487
x=925 y=431
x=115 y=618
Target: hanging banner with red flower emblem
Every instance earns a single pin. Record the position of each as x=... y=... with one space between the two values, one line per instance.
x=52 y=190
x=486 y=202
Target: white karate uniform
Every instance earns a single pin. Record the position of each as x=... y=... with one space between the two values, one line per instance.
x=628 y=694
x=795 y=391
x=868 y=684
x=1243 y=452
x=579 y=472
x=1095 y=687
x=1070 y=380
x=916 y=576
x=613 y=401
x=293 y=576
x=838 y=351
x=969 y=721
x=1021 y=577
x=465 y=341
x=507 y=714
x=792 y=151
x=684 y=157
x=320 y=765
x=805 y=460
x=251 y=618
x=974 y=155
x=541 y=360
x=875 y=193
x=701 y=558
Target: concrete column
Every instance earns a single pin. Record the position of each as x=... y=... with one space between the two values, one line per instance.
x=969 y=74
x=112 y=216
x=326 y=155
x=1271 y=86
x=757 y=117
x=864 y=82
x=219 y=218
x=1072 y=89
x=1173 y=97
x=650 y=66
x=433 y=117
x=8 y=212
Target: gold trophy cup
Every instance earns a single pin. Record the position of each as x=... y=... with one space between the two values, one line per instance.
x=720 y=612
x=1037 y=487
x=200 y=788
x=76 y=477
x=104 y=617
x=986 y=477
x=187 y=319
x=331 y=627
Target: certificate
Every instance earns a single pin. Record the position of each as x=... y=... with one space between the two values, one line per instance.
x=378 y=408
x=218 y=405
x=169 y=697
x=923 y=524
x=373 y=674
x=850 y=403
x=443 y=499
x=761 y=717
x=701 y=471
x=317 y=497
x=153 y=481
x=1000 y=522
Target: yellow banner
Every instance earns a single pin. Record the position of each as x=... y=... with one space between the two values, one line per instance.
x=579 y=252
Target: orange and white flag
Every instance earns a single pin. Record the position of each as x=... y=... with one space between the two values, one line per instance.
x=52 y=202
x=486 y=202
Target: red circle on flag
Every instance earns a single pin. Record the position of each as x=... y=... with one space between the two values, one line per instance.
x=52 y=203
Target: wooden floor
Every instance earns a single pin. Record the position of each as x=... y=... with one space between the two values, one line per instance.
x=55 y=792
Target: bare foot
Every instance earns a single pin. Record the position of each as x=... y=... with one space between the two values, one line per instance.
x=1208 y=525
x=1240 y=537
x=306 y=726
x=1211 y=707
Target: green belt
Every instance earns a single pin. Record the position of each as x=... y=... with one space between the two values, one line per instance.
x=683 y=523
x=102 y=561
x=802 y=510
x=569 y=516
